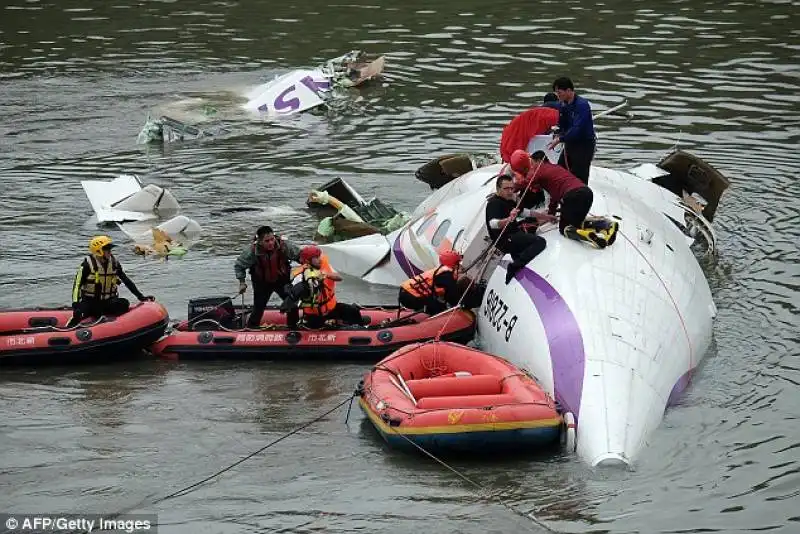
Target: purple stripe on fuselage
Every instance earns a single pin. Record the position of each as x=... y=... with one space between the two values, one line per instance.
x=409 y=268
x=563 y=337
x=679 y=387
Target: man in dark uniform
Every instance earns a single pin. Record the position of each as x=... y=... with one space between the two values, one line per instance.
x=576 y=130
x=501 y=222
x=267 y=259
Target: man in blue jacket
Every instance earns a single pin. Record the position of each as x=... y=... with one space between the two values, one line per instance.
x=576 y=130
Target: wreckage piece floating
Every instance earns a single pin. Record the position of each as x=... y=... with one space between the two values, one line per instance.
x=345 y=214
x=124 y=199
x=135 y=209
x=168 y=130
x=169 y=239
x=354 y=69
x=293 y=92
x=304 y=89
x=442 y=170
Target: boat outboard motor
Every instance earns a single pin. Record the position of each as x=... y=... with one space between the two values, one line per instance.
x=209 y=313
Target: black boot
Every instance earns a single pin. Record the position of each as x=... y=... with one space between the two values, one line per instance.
x=512 y=269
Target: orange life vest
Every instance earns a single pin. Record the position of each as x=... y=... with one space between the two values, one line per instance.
x=422 y=285
x=321 y=299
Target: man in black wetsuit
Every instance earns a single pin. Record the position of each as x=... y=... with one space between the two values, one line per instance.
x=501 y=221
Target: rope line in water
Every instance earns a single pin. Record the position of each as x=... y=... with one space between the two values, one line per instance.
x=491 y=496
x=188 y=489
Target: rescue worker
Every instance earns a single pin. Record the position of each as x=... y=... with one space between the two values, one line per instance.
x=314 y=285
x=576 y=130
x=505 y=231
x=434 y=289
x=94 y=292
x=566 y=191
x=535 y=121
x=267 y=259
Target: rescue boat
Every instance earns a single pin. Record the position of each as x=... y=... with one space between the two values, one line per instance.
x=388 y=328
x=452 y=398
x=35 y=336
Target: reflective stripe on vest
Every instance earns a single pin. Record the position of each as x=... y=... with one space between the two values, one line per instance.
x=321 y=299
x=102 y=280
x=422 y=285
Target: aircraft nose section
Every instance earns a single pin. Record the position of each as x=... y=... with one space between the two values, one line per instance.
x=619 y=412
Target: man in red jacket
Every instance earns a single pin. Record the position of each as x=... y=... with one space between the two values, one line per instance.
x=535 y=121
x=565 y=190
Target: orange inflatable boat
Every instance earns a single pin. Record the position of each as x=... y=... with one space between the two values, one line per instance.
x=452 y=398
x=34 y=336
x=222 y=337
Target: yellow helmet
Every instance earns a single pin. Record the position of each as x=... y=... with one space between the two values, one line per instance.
x=98 y=243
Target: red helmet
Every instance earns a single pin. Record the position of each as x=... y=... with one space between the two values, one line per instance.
x=520 y=161
x=310 y=252
x=449 y=258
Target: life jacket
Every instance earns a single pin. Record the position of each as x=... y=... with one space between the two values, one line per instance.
x=102 y=280
x=270 y=266
x=422 y=285
x=320 y=298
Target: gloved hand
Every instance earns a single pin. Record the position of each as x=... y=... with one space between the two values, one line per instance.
x=242 y=287
x=149 y=298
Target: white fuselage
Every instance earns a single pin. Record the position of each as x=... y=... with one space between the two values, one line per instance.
x=613 y=334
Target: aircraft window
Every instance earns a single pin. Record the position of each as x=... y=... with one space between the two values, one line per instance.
x=440 y=233
x=424 y=226
x=458 y=236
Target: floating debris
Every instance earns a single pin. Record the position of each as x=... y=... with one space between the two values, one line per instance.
x=345 y=214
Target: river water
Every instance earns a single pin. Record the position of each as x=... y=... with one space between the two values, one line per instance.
x=77 y=80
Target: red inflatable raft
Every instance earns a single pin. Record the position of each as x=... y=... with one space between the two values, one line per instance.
x=387 y=331
x=39 y=335
x=453 y=398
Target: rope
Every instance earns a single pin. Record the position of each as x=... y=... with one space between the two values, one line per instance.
x=488 y=257
x=674 y=304
x=496 y=496
x=44 y=329
x=188 y=489
x=217 y=326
